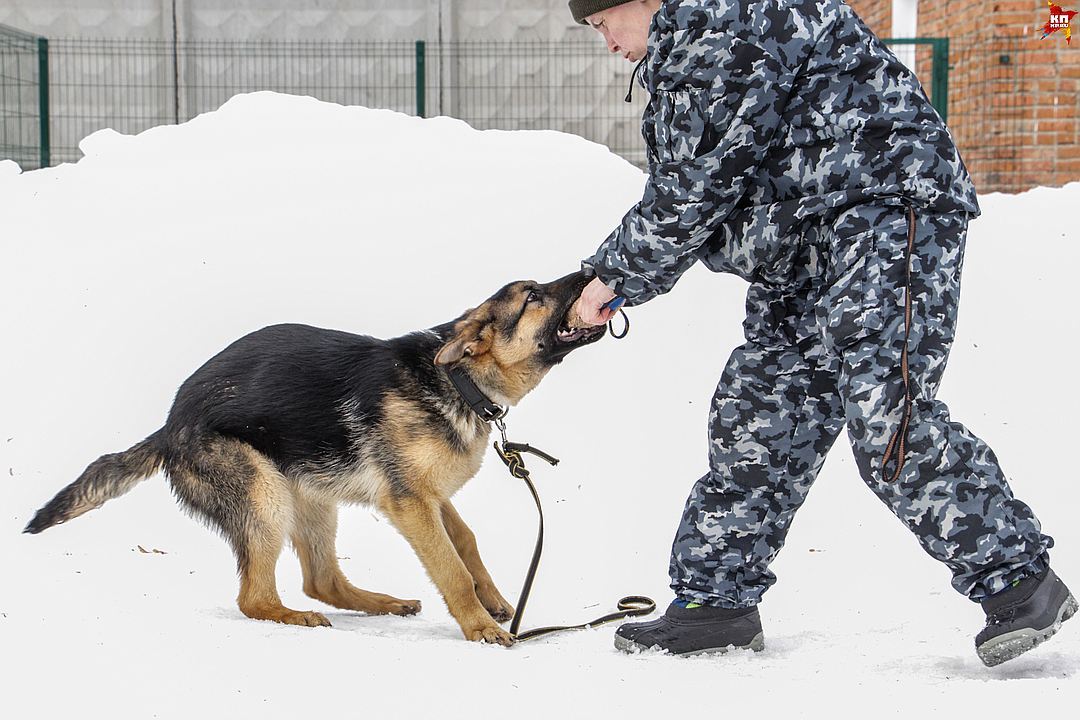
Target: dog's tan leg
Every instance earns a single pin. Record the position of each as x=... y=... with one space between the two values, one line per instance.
x=465 y=543
x=313 y=536
x=421 y=524
x=269 y=516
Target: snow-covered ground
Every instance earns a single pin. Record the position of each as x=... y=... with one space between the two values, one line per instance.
x=121 y=274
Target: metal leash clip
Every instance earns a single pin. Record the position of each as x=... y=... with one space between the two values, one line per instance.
x=510 y=453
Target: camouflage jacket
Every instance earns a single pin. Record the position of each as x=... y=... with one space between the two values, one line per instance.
x=765 y=119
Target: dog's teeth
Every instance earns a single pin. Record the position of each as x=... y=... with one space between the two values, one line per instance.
x=573 y=334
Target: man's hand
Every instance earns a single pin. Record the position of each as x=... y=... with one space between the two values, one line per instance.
x=590 y=305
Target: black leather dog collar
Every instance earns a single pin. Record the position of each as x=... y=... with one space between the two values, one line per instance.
x=473 y=396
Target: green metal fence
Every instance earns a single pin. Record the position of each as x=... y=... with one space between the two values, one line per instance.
x=24 y=98
x=132 y=85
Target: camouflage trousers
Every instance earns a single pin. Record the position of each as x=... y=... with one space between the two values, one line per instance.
x=840 y=345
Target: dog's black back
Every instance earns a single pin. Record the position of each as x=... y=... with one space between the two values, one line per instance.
x=282 y=389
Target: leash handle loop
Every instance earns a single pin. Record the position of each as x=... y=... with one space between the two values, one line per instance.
x=626 y=327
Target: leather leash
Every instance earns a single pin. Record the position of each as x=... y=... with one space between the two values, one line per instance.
x=629 y=606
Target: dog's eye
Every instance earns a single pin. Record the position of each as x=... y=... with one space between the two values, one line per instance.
x=533 y=296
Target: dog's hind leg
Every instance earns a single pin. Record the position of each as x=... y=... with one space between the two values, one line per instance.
x=465 y=544
x=314 y=538
x=241 y=492
x=271 y=518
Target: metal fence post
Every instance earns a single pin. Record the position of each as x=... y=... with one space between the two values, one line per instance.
x=43 y=98
x=940 y=86
x=421 y=83
x=939 y=74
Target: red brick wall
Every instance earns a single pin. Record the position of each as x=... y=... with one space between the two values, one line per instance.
x=1013 y=97
x=875 y=13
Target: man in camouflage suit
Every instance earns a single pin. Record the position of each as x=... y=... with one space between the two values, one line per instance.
x=789 y=146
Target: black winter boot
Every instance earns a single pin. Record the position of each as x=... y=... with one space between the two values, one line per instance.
x=694 y=631
x=1023 y=616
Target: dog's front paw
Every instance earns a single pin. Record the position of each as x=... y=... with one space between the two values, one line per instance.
x=496 y=605
x=501 y=614
x=490 y=634
x=504 y=612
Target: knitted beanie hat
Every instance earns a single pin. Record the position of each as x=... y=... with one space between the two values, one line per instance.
x=582 y=9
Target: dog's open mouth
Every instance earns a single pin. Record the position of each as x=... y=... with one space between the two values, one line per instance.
x=573 y=332
x=568 y=335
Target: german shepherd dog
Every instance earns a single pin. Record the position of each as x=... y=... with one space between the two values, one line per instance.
x=266 y=438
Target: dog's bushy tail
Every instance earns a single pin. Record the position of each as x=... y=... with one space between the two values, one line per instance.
x=107 y=477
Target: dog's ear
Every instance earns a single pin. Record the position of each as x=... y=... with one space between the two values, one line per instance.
x=452 y=352
x=473 y=338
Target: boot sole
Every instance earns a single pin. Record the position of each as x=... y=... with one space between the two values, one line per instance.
x=629 y=646
x=1010 y=645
